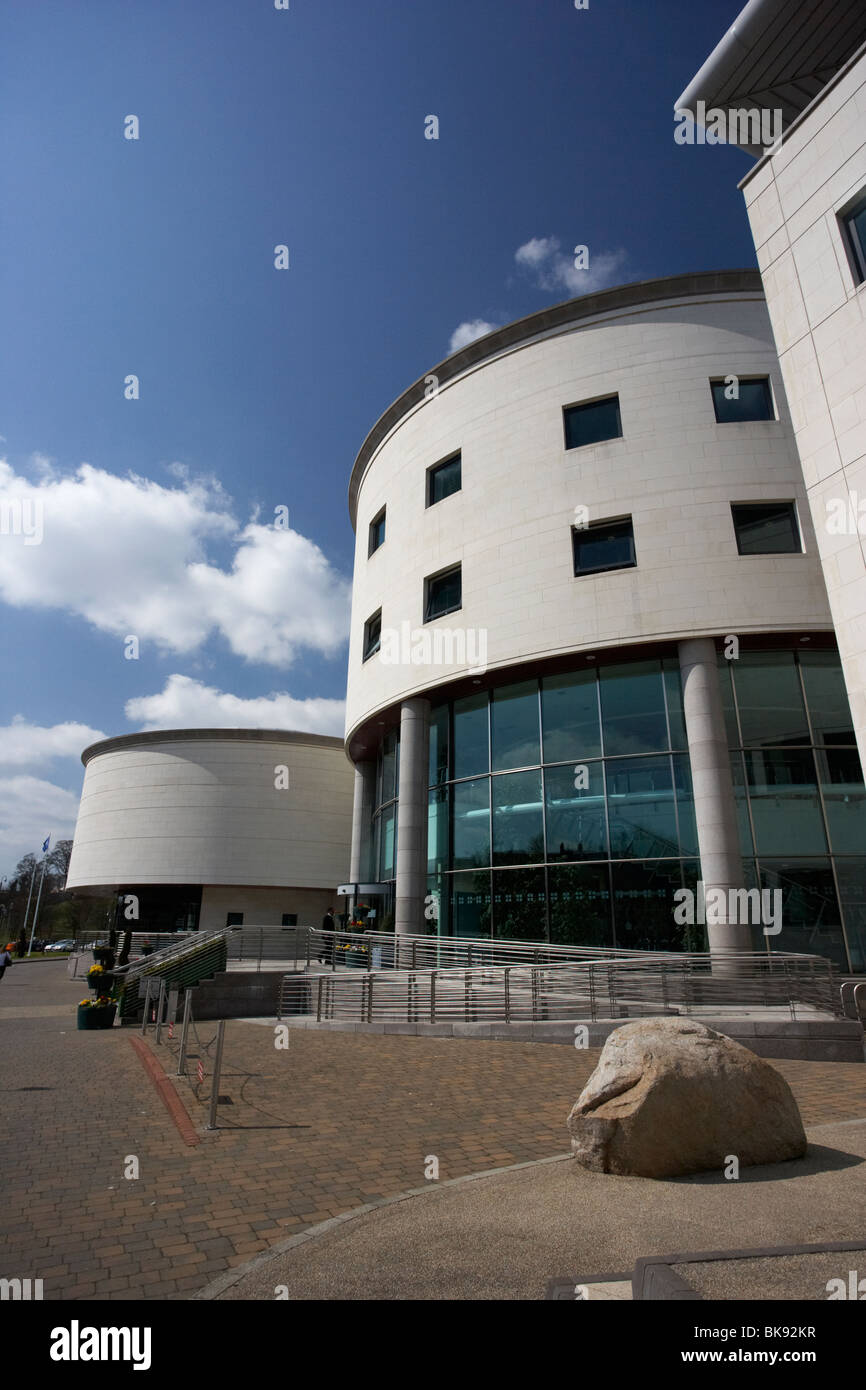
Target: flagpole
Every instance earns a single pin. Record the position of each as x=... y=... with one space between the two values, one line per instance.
x=39 y=894
x=29 y=896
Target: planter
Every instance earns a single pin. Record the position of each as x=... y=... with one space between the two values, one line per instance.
x=90 y=1017
x=353 y=960
x=103 y=955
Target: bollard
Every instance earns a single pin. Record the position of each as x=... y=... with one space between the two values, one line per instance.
x=217 y=1067
x=147 y=983
x=159 y=1010
x=187 y=1011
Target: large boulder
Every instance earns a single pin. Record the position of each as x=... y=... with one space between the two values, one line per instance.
x=671 y=1096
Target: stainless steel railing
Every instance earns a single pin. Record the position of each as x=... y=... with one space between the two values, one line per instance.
x=581 y=990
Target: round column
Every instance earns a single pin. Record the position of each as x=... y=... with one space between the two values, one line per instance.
x=715 y=807
x=411 y=885
x=360 y=868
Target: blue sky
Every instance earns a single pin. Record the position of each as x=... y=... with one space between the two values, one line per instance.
x=155 y=257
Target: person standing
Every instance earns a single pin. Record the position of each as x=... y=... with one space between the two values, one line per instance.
x=330 y=942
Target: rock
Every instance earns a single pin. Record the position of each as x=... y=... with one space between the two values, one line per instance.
x=671 y=1096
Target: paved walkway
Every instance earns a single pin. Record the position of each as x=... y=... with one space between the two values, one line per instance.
x=332 y=1122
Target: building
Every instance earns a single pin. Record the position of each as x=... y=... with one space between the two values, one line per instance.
x=212 y=828
x=592 y=661
x=806 y=201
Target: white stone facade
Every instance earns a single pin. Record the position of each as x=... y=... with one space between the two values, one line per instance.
x=676 y=471
x=204 y=807
x=795 y=197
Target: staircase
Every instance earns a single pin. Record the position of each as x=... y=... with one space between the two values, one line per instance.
x=182 y=964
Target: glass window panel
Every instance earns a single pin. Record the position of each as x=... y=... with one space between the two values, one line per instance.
x=727 y=694
x=569 y=712
x=439 y=745
x=738 y=776
x=769 y=699
x=694 y=934
x=519 y=905
x=844 y=799
x=633 y=708
x=372 y=635
x=827 y=698
x=580 y=905
x=766 y=529
x=377 y=533
x=575 y=812
x=437 y=908
x=783 y=794
x=437 y=830
x=470 y=904
x=592 y=422
x=518 y=825
x=605 y=545
x=643 y=905
x=444 y=594
x=471 y=737
x=388 y=843
x=685 y=804
x=443 y=480
x=389 y=766
x=851 y=875
x=640 y=800
x=753 y=401
x=472 y=823
x=809 y=907
x=514 y=733
x=855 y=228
x=674 y=695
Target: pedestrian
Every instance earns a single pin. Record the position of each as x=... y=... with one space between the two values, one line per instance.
x=328 y=946
x=5 y=959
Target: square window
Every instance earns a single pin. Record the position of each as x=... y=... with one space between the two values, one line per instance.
x=443 y=479
x=854 y=227
x=234 y=919
x=753 y=400
x=603 y=545
x=290 y=919
x=766 y=528
x=377 y=533
x=592 y=422
x=372 y=635
x=443 y=593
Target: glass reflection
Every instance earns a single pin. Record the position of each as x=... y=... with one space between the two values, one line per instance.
x=471 y=738
x=633 y=708
x=769 y=699
x=518 y=826
x=641 y=812
x=519 y=905
x=783 y=793
x=569 y=712
x=575 y=812
x=471 y=823
x=514 y=733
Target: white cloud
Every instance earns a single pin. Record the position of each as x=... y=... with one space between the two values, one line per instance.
x=552 y=269
x=131 y=557
x=185 y=703
x=466 y=333
x=27 y=745
x=30 y=809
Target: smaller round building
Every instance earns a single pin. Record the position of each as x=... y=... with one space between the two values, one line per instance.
x=210 y=828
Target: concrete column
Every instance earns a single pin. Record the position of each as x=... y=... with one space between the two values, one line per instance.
x=411 y=886
x=360 y=868
x=715 y=807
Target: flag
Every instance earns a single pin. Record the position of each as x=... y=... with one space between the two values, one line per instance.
x=45 y=844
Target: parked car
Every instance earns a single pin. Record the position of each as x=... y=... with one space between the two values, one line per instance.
x=66 y=945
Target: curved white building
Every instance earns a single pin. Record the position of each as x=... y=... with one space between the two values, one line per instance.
x=558 y=530
x=215 y=827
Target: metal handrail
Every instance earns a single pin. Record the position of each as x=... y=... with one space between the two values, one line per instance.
x=612 y=988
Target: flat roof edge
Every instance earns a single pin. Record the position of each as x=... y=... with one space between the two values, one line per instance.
x=121 y=741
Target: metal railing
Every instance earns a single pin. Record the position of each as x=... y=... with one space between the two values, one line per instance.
x=606 y=988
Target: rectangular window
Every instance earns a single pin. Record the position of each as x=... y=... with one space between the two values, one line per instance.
x=603 y=545
x=766 y=528
x=234 y=919
x=854 y=227
x=372 y=635
x=443 y=593
x=443 y=479
x=377 y=533
x=738 y=401
x=290 y=919
x=592 y=422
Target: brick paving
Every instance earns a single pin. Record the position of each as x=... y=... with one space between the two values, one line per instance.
x=327 y=1124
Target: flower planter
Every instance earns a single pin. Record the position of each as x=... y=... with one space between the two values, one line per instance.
x=90 y=1016
x=353 y=960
